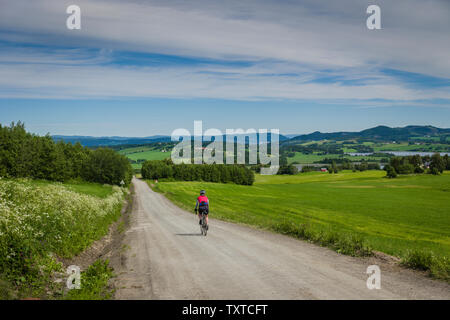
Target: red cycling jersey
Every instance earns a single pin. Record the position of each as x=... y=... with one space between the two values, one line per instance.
x=203 y=199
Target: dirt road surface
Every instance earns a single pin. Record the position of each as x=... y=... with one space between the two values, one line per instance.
x=166 y=258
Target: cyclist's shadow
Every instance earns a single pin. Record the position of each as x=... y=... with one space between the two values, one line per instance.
x=189 y=234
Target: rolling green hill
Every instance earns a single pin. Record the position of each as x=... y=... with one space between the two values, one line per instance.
x=379 y=133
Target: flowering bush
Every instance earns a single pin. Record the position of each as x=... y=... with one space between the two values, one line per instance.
x=40 y=221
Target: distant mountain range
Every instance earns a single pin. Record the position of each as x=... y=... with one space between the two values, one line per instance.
x=88 y=141
x=380 y=133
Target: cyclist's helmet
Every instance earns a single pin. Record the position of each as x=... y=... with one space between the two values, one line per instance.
x=203 y=192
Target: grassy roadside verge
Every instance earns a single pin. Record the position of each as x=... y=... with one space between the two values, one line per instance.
x=437 y=266
x=351 y=244
x=351 y=213
x=96 y=279
x=42 y=223
x=94 y=283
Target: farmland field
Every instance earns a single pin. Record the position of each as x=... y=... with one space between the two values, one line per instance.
x=436 y=147
x=143 y=153
x=317 y=151
x=149 y=155
x=310 y=158
x=393 y=215
x=314 y=158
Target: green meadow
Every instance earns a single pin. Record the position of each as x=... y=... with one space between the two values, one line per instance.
x=410 y=213
x=315 y=158
x=148 y=155
x=435 y=147
x=87 y=188
x=143 y=153
x=310 y=158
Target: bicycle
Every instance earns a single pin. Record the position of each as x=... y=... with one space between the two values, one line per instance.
x=203 y=226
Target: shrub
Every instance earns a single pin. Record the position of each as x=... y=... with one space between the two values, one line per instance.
x=37 y=222
x=309 y=169
x=418 y=170
x=391 y=172
x=434 y=171
x=288 y=169
x=438 y=267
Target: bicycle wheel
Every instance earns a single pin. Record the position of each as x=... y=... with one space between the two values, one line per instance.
x=203 y=227
x=202 y=220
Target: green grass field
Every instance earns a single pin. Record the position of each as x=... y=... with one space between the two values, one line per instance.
x=348 y=150
x=143 y=153
x=91 y=189
x=310 y=158
x=149 y=155
x=393 y=215
x=134 y=150
x=435 y=147
x=313 y=158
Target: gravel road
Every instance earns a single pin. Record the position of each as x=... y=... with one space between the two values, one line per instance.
x=166 y=258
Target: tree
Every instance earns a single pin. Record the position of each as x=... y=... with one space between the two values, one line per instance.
x=391 y=172
x=107 y=166
x=23 y=154
x=283 y=160
x=334 y=167
x=363 y=166
x=419 y=170
x=434 y=171
x=402 y=165
x=437 y=164
x=447 y=162
x=288 y=169
x=415 y=160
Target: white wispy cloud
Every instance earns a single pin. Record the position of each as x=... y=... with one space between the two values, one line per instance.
x=289 y=44
x=56 y=80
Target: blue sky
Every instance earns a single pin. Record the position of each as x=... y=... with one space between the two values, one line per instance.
x=149 y=67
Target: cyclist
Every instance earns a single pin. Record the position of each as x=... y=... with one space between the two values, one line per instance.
x=202 y=206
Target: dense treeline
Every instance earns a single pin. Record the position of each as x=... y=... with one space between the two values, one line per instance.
x=166 y=169
x=435 y=164
x=348 y=163
x=323 y=148
x=25 y=155
x=284 y=169
x=337 y=166
x=329 y=148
